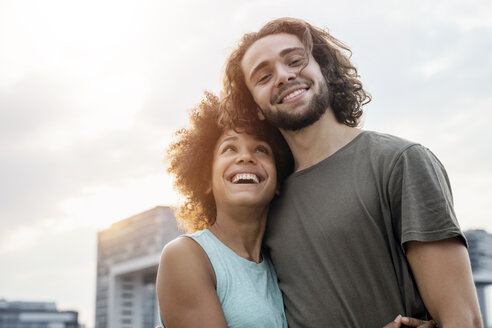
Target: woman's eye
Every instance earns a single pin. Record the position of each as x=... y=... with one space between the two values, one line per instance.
x=228 y=148
x=262 y=149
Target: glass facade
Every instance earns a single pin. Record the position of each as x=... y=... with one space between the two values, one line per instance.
x=35 y=315
x=480 y=251
x=128 y=256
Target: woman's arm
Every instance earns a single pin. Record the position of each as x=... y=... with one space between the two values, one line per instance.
x=186 y=287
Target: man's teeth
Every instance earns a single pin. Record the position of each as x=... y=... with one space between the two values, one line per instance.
x=293 y=94
x=245 y=177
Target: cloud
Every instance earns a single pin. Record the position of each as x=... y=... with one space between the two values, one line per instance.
x=35 y=181
x=52 y=148
x=32 y=106
x=427 y=71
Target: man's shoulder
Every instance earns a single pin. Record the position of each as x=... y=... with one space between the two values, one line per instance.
x=384 y=150
x=392 y=151
x=380 y=138
x=385 y=143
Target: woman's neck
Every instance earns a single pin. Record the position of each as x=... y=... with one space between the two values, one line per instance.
x=241 y=229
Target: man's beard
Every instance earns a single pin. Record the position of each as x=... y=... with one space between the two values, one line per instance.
x=296 y=121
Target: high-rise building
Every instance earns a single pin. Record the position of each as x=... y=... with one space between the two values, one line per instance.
x=480 y=251
x=128 y=255
x=35 y=315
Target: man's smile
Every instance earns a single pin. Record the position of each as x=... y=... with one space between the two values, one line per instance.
x=290 y=93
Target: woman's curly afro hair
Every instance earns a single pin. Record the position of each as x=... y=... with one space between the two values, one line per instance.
x=190 y=158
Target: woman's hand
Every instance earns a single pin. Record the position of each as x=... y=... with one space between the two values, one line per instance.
x=411 y=322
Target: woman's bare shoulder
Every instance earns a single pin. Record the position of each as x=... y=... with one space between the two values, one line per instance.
x=185 y=258
x=186 y=286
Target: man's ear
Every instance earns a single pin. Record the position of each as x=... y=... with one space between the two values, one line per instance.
x=260 y=114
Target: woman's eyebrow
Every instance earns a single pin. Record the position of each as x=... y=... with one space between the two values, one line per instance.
x=231 y=138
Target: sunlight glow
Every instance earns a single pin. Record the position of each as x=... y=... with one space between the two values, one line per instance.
x=101 y=206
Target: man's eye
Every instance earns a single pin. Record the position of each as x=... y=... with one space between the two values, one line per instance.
x=297 y=62
x=263 y=78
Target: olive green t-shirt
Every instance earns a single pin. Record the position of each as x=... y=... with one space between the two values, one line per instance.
x=336 y=233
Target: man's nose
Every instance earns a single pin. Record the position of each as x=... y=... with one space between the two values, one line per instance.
x=285 y=74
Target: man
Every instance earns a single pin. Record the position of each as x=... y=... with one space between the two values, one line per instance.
x=364 y=228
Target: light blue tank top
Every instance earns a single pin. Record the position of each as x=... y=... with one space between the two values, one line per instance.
x=248 y=291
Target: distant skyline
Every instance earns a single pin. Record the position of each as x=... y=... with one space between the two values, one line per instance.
x=91 y=93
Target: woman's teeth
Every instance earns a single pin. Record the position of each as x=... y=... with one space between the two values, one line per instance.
x=245 y=178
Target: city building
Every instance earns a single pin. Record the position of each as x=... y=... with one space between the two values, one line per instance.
x=480 y=251
x=35 y=315
x=128 y=255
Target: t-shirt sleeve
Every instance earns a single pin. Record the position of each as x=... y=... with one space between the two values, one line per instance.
x=420 y=198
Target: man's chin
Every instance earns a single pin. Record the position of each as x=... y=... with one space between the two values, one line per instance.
x=299 y=115
x=296 y=121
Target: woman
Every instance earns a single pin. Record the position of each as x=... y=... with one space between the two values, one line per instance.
x=218 y=276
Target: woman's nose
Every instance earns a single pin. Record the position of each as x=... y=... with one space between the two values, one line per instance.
x=245 y=156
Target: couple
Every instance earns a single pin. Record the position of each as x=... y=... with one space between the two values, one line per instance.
x=362 y=228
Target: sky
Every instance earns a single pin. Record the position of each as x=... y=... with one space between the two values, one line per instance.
x=91 y=93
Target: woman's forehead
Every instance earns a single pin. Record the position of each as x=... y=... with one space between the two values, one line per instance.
x=239 y=134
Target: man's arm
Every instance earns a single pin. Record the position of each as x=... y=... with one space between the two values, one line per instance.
x=443 y=275
x=186 y=287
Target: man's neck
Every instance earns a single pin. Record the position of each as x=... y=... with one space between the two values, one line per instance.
x=318 y=141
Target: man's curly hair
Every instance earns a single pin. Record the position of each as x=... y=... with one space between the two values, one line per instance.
x=347 y=95
x=191 y=155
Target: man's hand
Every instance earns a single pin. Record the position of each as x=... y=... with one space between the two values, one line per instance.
x=411 y=322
